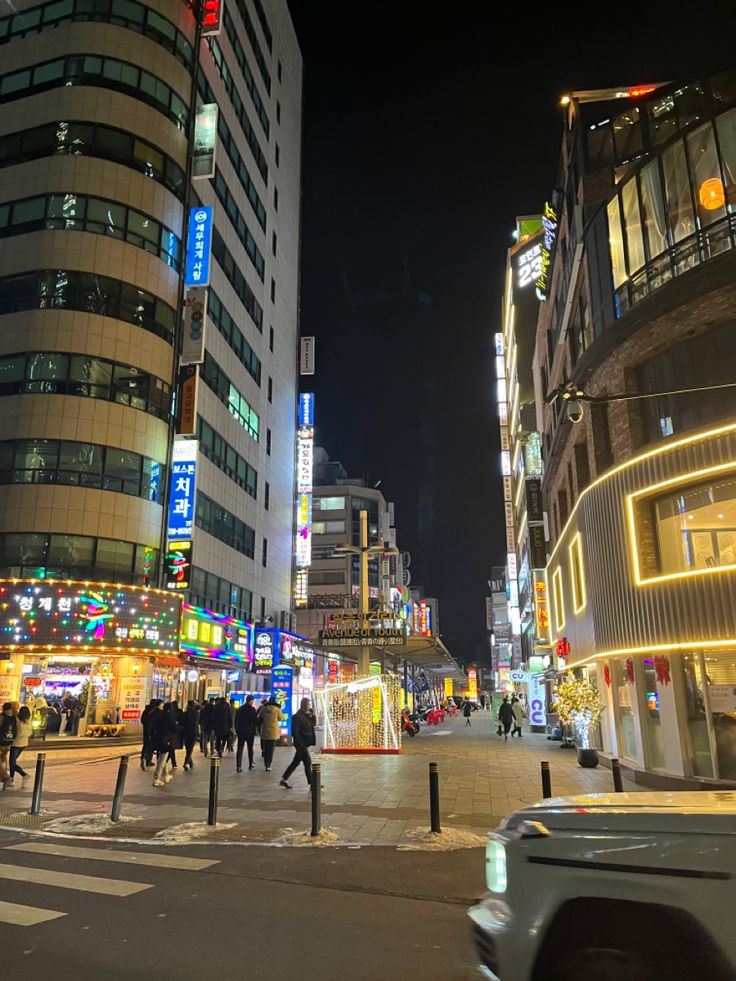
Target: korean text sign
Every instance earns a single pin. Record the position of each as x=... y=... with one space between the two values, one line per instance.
x=199 y=246
x=181 y=495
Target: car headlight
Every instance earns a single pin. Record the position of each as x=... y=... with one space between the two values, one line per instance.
x=496 y=866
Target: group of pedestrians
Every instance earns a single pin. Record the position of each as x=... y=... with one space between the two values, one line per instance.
x=218 y=727
x=15 y=734
x=510 y=717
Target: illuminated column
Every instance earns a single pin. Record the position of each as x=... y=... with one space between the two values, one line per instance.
x=364 y=655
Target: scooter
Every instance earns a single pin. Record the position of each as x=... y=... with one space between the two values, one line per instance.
x=408 y=725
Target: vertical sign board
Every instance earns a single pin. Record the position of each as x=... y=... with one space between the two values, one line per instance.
x=199 y=246
x=211 y=17
x=305 y=459
x=132 y=698
x=195 y=313
x=448 y=687
x=307 y=356
x=537 y=693
x=178 y=564
x=187 y=408
x=281 y=687
x=263 y=652
x=182 y=489
x=205 y=139
x=472 y=684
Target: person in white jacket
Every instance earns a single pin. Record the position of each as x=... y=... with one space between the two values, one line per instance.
x=22 y=737
x=519 y=716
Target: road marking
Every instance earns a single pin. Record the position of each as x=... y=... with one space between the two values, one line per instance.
x=111 y=855
x=18 y=915
x=68 y=880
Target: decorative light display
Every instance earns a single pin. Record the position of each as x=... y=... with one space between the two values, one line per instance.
x=305 y=457
x=578 y=703
x=208 y=634
x=62 y=616
x=362 y=715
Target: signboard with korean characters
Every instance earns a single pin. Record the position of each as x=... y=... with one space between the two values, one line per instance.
x=199 y=246
x=263 y=652
x=182 y=489
x=205 y=634
x=48 y=614
x=132 y=698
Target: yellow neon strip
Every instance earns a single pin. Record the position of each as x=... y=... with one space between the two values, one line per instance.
x=577 y=546
x=520 y=530
x=558 y=598
x=519 y=488
x=681 y=480
x=515 y=457
x=686 y=645
x=658 y=451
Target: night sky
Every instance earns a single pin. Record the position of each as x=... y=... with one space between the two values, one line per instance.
x=425 y=135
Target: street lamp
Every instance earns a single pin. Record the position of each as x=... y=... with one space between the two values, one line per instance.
x=365 y=551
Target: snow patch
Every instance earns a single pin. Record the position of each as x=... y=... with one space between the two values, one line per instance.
x=424 y=840
x=82 y=824
x=303 y=839
x=191 y=831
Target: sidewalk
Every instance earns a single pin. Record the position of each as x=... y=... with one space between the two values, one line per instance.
x=372 y=800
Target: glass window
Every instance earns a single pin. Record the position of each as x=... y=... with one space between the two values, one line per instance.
x=652 y=716
x=653 y=211
x=114 y=558
x=701 y=759
x=15 y=82
x=726 y=128
x=122 y=471
x=65 y=211
x=634 y=240
x=47 y=366
x=328 y=528
x=627 y=134
x=677 y=192
x=143 y=230
x=71 y=553
x=706 y=175
x=623 y=686
x=616 y=243
x=329 y=503
x=29 y=211
x=662 y=118
x=106 y=217
x=724 y=86
x=691 y=103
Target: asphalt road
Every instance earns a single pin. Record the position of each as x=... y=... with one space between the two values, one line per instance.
x=111 y=911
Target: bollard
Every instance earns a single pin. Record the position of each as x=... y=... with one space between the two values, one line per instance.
x=117 y=801
x=618 y=784
x=38 y=783
x=214 y=787
x=316 y=789
x=434 y=799
x=546 y=780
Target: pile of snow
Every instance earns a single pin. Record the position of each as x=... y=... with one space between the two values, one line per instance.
x=425 y=840
x=180 y=834
x=303 y=839
x=84 y=824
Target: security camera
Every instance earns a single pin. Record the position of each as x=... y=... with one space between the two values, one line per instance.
x=574 y=410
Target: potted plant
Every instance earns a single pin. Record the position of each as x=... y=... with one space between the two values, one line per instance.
x=579 y=705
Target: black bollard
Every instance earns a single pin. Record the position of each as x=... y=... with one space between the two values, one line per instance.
x=117 y=801
x=546 y=780
x=618 y=784
x=38 y=783
x=214 y=787
x=316 y=789
x=434 y=798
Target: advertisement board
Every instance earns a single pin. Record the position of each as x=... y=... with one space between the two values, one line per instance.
x=178 y=564
x=132 y=698
x=205 y=141
x=537 y=697
x=205 y=634
x=182 y=489
x=195 y=316
x=363 y=637
x=199 y=246
x=263 y=651
x=281 y=689
x=50 y=614
x=307 y=356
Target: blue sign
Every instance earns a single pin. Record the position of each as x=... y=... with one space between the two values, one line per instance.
x=182 y=489
x=281 y=687
x=199 y=246
x=306 y=409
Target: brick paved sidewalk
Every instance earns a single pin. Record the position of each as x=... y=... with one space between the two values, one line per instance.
x=366 y=799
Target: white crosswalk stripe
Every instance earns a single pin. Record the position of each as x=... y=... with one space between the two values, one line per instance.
x=71 y=880
x=19 y=915
x=151 y=859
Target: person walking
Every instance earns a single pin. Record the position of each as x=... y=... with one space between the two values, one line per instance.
x=231 y=731
x=176 y=727
x=505 y=716
x=190 y=721
x=246 y=726
x=518 y=710
x=467 y=710
x=8 y=732
x=147 y=716
x=161 y=742
x=270 y=718
x=22 y=738
x=302 y=731
x=205 y=726
x=221 y=723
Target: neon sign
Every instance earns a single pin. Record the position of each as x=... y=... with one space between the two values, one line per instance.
x=549 y=224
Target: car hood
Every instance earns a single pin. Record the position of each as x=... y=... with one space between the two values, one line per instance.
x=687 y=812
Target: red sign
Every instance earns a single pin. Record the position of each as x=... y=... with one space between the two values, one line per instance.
x=32 y=682
x=130 y=715
x=332 y=672
x=211 y=15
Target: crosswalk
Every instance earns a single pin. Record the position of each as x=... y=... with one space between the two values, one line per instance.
x=18 y=914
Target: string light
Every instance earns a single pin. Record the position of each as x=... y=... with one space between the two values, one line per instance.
x=578 y=703
x=362 y=715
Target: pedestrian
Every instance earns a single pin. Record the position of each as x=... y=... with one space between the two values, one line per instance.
x=519 y=715
x=176 y=727
x=231 y=731
x=270 y=718
x=22 y=738
x=161 y=742
x=221 y=723
x=259 y=721
x=147 y=716
x=8 y=731
x=205 y=726
x=303 y=723
x=190 y=721
x=467 y=709
x=505 y=716
x=246 y=726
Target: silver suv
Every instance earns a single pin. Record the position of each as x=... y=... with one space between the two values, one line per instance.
x=612 y=887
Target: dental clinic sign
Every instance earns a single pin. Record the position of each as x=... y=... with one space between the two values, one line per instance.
x=182 y=489
x=199 y=246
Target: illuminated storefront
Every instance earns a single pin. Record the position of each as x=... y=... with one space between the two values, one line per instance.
x=218 y=651
x=85 y=639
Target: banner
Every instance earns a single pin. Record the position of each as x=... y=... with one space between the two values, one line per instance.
x=307 y=359
x=205 y=140
x=195 y=313
x=199 y=246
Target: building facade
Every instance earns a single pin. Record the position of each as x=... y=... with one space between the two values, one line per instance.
x=641 y=489
x=98 y=105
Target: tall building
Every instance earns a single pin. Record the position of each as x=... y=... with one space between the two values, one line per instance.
x=641 y=482
x=98 y=104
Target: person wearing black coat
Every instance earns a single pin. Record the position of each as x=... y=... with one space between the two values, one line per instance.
x=246 y=726
x=190 y=721
x=205 y=727
x=161 y=742
x=147 y=717
x=467 y=710
x=505 y=716
x=222 y=721
x=176 y=727
x=303 y=723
